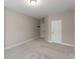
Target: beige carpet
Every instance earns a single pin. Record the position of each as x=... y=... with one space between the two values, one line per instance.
x=39 y=49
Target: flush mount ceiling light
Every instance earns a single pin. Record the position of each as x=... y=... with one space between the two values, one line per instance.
x=32 y=2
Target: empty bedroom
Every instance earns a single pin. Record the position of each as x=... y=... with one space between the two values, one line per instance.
x=39 y=29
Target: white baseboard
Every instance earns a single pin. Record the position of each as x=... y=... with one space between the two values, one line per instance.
x=18 y=44
x=61 y=43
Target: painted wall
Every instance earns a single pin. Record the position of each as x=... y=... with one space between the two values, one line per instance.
x=19 y=27
x=42 y=29
x=68 y=26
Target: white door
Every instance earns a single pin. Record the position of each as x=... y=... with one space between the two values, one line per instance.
x=56 y=31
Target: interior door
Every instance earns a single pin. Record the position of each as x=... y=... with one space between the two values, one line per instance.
x=56 y=31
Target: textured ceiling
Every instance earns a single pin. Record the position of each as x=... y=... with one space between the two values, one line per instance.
x=44 y=7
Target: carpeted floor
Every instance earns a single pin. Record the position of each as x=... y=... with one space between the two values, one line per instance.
x=40 y=49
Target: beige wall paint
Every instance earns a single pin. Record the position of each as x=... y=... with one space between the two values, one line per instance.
x=19 y=27
x=68 y=26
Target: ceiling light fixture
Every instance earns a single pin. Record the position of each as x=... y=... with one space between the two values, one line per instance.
x=33 y=2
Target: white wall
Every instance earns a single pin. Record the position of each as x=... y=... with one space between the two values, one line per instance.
x=19 y=27
x=68 y=27
x=42 y=29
